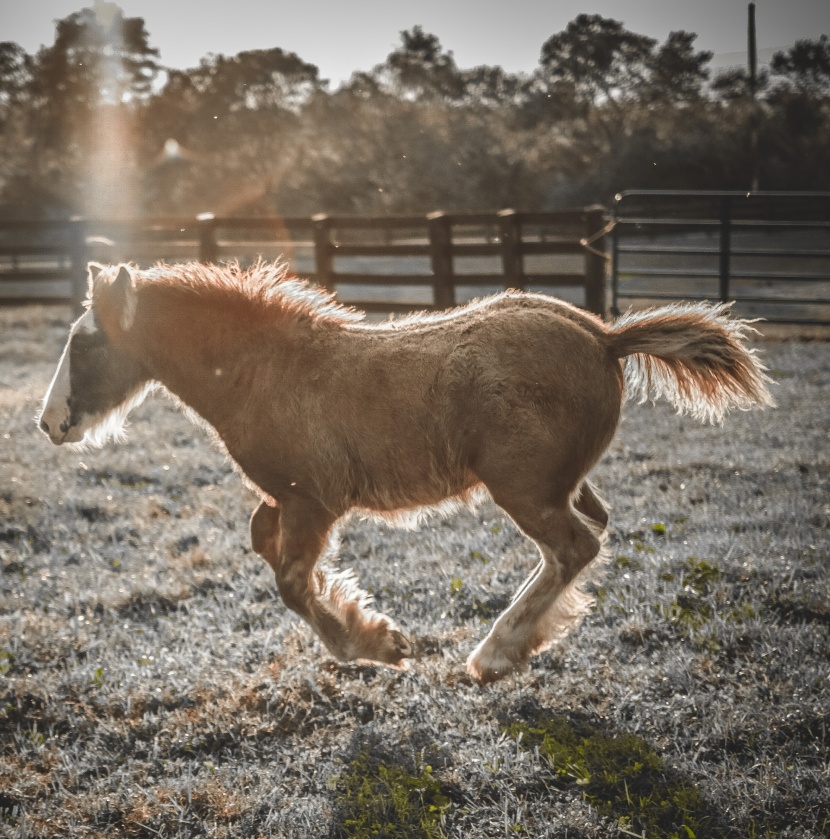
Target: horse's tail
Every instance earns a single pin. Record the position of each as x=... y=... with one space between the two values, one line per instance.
x=694 y=355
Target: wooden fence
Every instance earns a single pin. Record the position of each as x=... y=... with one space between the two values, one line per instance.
x=372 y=263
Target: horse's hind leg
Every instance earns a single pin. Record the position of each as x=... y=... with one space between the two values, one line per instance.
x=550 y=601
x=292 y=538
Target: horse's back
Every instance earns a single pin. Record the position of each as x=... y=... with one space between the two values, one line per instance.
x=422 y=403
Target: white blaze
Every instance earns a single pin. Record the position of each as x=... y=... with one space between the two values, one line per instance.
x=55 y=412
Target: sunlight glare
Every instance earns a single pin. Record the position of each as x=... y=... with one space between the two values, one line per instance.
x=110 y=187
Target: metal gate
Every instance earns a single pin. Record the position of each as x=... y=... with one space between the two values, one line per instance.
x=767 y=251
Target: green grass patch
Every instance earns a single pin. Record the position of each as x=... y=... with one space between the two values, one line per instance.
x=690 y=611
x=627 y=563
x=385 y=800
x=741 y=612
x=6 y=661
x=621 y=776
x=700 y=574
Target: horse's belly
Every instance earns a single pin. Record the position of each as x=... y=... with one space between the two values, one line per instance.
x=408 y=482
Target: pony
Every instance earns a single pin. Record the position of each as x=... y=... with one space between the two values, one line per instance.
x=516 y=395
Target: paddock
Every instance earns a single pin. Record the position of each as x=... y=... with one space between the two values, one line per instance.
x=153 y=683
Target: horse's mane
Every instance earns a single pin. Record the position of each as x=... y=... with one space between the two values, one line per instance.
x=266 y=289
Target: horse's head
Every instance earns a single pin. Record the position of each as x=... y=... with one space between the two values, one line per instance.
x=96 y=382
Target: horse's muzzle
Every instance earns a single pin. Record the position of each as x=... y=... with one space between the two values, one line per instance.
x=57 y=432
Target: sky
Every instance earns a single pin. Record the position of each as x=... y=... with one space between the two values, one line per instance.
x=342 y=36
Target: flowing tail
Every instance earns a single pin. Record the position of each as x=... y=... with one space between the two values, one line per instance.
x=694 y=355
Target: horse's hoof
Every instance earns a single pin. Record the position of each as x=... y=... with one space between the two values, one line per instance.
x=402 y=644
x=487 y=667
x=394 y=648
x=484 y=676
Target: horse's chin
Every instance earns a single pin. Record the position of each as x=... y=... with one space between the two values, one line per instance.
x=94 y=430
x=81 y=434
x=74 y=435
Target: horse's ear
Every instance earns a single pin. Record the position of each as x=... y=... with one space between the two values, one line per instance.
x=93 y=270
x=124 y=295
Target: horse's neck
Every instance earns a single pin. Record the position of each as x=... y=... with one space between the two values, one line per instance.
x=209 y=357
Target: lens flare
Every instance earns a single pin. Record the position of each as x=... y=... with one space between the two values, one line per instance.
x=110 y=187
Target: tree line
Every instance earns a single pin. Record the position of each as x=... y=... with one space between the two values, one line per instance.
x=95 y=124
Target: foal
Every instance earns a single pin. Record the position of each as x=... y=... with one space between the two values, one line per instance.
x=519 y=394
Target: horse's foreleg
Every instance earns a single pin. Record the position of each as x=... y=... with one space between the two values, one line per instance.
x=292 y=538
x=591 y=504
x=265 y=533
x=548 y=603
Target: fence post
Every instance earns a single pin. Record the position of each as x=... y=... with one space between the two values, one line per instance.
x=615 y=258
x=725 y=246
x=440 y=250
x=208 y=248
x=510 y=234
x=78 y=261
x=595 y=262
x=323 y=251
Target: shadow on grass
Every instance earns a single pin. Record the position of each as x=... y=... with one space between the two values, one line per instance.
x=391 y=791
x=619 y=774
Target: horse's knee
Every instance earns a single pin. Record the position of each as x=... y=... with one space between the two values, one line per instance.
x=265 y=523
x=294 y=586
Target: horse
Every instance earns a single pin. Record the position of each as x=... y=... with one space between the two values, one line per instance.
x=515 y=395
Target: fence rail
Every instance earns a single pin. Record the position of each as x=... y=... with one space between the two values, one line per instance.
x=769 y=252
x=46 y=262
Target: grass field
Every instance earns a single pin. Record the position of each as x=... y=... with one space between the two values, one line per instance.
x=153 y=685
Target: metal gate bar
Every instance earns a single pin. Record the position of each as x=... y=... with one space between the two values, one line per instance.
x=723 y=217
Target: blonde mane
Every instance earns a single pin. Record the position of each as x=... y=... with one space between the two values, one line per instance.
x=265 y=289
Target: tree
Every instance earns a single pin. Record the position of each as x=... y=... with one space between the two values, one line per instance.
x=238 y=120
x=99 y=57
x=75 y=99
x=605 y=62
x=15 y=72
x=677 y=74
x=421 y=69
x=805 y=66
x=797 y=108
x=585 y=91
x=254 y=80
x=733 y=85
x=15 y=77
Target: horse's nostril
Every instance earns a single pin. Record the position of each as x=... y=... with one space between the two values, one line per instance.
x=44 y=426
